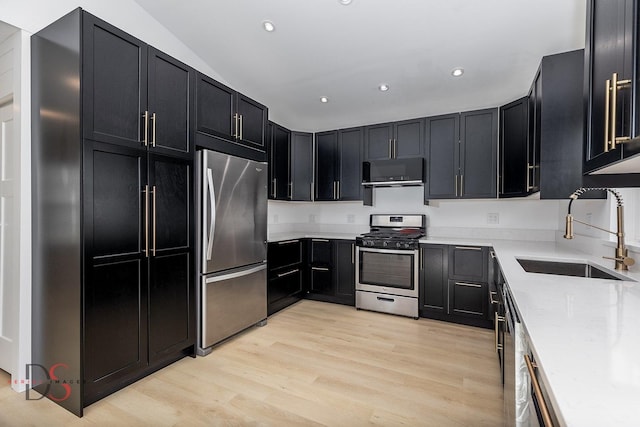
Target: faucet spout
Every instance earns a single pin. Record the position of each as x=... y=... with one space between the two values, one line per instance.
x=623 y=261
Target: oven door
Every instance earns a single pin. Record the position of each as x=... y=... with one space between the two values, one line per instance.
x=387 y=271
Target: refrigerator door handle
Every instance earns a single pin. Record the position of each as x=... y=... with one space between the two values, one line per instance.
x=236 y=274
x=212 y=202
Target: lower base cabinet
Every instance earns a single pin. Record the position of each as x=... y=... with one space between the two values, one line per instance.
x=332 y=271
x=452 y=291
x=285 y=274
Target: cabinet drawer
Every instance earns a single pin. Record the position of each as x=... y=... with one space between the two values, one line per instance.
x=321 y=252
x=468 y=299
x=468 y=263
x=285 y=253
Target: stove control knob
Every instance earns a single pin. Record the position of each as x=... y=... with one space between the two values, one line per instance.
x=399 y=245
x=384 y=244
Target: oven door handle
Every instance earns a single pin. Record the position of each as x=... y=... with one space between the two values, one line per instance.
x=389 y=251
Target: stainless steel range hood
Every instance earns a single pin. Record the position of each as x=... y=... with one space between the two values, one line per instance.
x=393 y=172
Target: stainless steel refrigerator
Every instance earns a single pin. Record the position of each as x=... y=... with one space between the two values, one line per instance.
x=233 y=227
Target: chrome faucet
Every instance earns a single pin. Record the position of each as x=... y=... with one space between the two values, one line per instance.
x=623 y=261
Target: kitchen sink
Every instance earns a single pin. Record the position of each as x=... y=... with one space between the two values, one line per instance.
x=567 y=268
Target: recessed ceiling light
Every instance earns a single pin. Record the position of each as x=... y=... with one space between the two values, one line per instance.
x=324 y=99
x=344 y=2
x=457 y=72
x=268 y=26
x=383 y=87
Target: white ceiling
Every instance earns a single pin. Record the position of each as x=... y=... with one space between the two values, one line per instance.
x=322 y=48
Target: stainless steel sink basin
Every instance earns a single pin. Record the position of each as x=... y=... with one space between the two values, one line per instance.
x=565 y=268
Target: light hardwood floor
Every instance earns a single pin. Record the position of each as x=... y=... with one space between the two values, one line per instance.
x=313 y=364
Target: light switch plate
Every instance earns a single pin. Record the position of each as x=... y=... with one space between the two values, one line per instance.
x=493 y=218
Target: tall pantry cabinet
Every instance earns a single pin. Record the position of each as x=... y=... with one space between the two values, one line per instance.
x=113 y=226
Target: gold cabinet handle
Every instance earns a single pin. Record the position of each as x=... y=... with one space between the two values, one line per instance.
x=320 y=268
x=274 y=187
x=469 y=285
x=153 y=130
x=241 y=125
x=546 y=418
x=146 y=221
x=607 y=106
x=493 y=301
x=235 y=126
x=153 y=194
x=338 y=192
x=456 y=184
x=614 y=97
x=288 y=273
x=353 y=253
x=469 y=248
x=145 y=136
x=496 y=327
x=286 y=242
x=290 y=190
x=461 y=185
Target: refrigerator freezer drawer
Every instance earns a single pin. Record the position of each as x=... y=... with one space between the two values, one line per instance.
x=232 y=302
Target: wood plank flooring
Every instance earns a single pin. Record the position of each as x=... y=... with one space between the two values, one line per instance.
x=314 y=364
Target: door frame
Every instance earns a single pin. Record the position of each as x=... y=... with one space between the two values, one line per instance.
x=19 y=43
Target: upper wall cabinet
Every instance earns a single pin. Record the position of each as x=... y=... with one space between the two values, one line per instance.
x=611 y=85
x=290 y=164
x=228 y=115
x=462 y=155
x=338 y=171
x=394 y=140
x=516 y=165
x=141 y=100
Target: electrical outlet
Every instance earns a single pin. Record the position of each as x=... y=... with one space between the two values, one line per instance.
x=493 y=218
x=312 y=218
x=351 y=218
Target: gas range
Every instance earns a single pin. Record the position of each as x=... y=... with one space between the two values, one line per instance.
x=393 y=232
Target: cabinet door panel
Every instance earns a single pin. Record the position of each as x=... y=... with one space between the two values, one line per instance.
x=114 y=322
x=350 y=163
x=115 y=84
x=326 y=157
x=514 y=149
x=286 y=253
x=409 y=138
x=345 y=271
x=478 y=141
x=433 y=295
x=116 y=202
x=170 y=308
x=170 y=179
x=321 y=253
x=378 y=141
x=321 y=281
x=442 y=136
x=215 y=108
x=301 y=166
x=280 y=163
x=284 y=285
x=469 y=263
x=169 y=95
x=253 y=121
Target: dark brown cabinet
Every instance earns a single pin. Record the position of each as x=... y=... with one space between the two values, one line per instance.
x=279 y=142
x=611 y=84
x=141 y=99
x=301 y=167
x=224 y=113
x=338 y=167
x=290 y=164
x=461 y=150
x=332 y=270
x=454 y=284
x=518 y=160
x=286 y=272
x=114 y=247
x=394 y=140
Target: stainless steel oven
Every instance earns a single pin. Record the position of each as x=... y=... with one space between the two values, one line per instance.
x=389 y=271
x=387 y=264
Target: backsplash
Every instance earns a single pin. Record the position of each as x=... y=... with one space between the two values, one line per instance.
x=530 y=219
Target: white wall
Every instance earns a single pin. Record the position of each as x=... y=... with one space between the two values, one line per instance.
x=33 y=15
x=537 y=219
